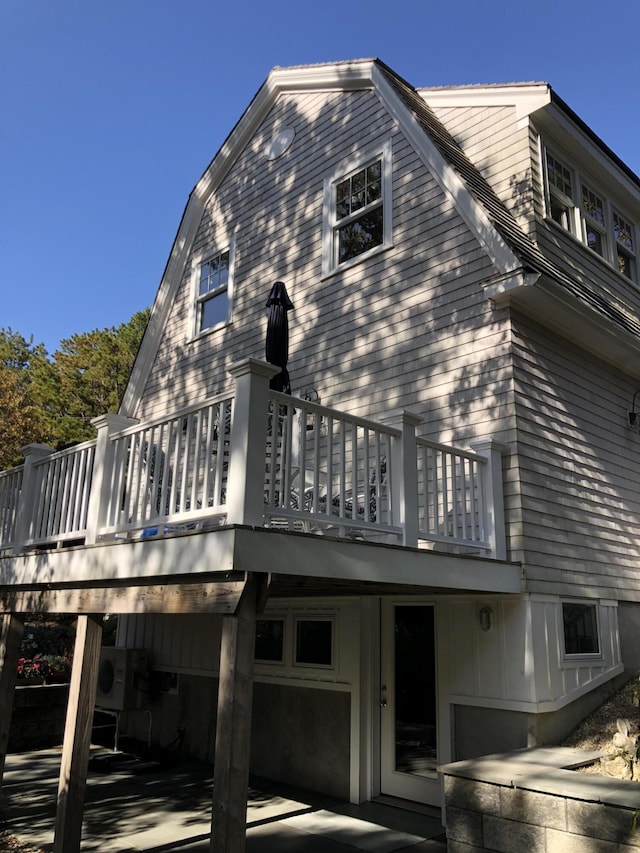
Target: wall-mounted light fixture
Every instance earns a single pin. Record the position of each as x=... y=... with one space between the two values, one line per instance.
x=634 y=417
x=486 y=618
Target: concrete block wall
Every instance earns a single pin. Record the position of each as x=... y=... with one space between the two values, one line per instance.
x=38 y=717
x=499 y=817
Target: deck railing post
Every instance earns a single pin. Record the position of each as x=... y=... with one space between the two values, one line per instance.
x=103 y=463
x=245 y=491
x=404 y=474
x=28 y=503
x=493 y=495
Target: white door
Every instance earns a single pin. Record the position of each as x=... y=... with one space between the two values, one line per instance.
x=408 y=702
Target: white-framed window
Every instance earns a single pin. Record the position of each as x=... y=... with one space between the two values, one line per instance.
x=595 y=227
x=212 y=283
x=357 y=210
x=582 y=210
x=580 y=628
x=290 y=641
x=625 y=245
x=560 y=183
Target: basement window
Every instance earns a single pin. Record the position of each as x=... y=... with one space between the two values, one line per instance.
x=314 y=642
x=580 y=623
x=270 y=640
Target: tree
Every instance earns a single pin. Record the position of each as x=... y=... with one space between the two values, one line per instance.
x=53 y=401
x=20 y=419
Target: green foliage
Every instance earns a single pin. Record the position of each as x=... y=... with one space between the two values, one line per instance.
x=56 y=637
x=53 y=400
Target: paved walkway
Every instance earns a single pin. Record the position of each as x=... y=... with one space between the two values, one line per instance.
x=146 y=810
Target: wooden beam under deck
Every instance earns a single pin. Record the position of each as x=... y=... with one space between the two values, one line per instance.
x=175 y=595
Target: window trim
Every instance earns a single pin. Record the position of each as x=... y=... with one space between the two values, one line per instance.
x=198 y=300
x=570 y=657
x=330 y=222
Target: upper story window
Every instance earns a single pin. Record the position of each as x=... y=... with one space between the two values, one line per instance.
x=561 y=206
x=357 y=210
x=624 y=244
x=579 y=208
x=594 y=221
x=212 y=278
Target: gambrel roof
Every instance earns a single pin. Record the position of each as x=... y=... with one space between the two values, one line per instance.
x=523 y=274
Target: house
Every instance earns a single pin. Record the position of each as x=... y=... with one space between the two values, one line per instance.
x=427 y=551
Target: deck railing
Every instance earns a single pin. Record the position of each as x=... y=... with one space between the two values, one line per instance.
x=10 y=490
x=262 y=458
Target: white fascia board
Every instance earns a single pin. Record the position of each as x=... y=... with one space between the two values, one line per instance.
x=450 y=181
x=352 y=76
x=557 y=127
x=525 y=98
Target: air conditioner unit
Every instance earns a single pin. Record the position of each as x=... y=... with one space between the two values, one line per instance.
x=122 y=678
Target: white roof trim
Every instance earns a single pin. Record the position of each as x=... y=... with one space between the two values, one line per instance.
x=360 y=74
x=525 y=98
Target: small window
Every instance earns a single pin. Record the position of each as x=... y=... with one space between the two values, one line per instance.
x=314 y=642
x=269 y=640
x=357 y=211
x=580 y=629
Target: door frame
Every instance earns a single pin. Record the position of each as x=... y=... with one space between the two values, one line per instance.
x=373 y=662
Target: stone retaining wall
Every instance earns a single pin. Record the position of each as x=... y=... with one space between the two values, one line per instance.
x=38 y=717
x=532 y=801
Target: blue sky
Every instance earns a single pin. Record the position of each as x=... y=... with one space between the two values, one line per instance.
x=111 y=111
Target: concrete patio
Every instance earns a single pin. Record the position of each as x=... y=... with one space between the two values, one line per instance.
x=147 y=809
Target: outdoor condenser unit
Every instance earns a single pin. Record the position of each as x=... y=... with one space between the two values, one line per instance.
x=122 y=678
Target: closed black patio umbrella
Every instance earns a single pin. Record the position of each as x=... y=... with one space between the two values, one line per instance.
x=277 y=344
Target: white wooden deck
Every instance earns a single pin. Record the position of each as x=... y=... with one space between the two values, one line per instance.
x=254 y=458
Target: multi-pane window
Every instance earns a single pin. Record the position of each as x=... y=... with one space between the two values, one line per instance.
x=213 y=292
x=357 y=210
x=580 y=626
x=581 y=210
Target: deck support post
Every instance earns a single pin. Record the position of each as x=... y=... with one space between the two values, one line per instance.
x=77 y=735
x=233 y=725
x=25 y=519
x=11 y=634
x=104 y=461
x=245 y=497
x=404 y=473
x=493 y=495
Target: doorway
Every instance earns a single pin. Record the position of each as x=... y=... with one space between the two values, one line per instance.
x=408 y=702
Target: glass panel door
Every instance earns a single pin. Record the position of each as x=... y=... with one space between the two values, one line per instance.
x=408 y=712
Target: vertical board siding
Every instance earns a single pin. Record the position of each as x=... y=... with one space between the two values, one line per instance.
x=521 y=659
x=579 y=468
